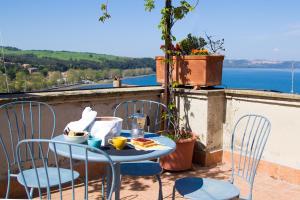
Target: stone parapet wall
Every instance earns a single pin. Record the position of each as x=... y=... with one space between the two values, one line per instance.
x=68 y=106
x=210 y=114
x=283 y=111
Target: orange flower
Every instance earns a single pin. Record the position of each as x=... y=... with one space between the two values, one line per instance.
x=200 y=52
x=194 y=51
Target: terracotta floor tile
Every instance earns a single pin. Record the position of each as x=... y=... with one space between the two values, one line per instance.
x=265 y=187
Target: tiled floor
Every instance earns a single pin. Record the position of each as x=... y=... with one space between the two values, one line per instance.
x=265 y=188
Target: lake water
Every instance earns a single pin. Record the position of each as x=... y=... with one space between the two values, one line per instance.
x=238 y=78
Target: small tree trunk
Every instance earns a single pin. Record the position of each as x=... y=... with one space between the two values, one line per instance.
x=168 y=41
x=167 y=54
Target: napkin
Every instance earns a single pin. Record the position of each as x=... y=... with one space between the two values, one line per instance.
x=103 y=130
x=87 y=118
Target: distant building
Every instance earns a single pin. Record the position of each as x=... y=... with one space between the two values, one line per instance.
x=32 y=69
x=26 y=66
x=64 y=74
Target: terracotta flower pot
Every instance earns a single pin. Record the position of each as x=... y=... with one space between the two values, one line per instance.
x=181 y=158
x=117 y=83
x=193 y=70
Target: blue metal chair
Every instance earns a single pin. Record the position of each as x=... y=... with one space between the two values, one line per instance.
x=23 y=120
x=48 y=172
x=155 y=123
x=248 y=140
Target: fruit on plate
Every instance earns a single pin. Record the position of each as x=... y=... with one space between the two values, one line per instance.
x=143 y=142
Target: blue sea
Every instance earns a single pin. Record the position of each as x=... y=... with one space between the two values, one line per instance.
x=279 y=80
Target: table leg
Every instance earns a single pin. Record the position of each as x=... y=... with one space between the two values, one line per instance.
x=117 y=181
x=108 y=180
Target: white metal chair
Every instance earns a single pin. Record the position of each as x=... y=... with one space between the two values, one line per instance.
x=45 y=175
x=154 y=123
x=248 y=140
x=23 y=120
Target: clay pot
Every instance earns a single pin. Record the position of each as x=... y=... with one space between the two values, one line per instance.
x=117 y=83
x=193 y=70
x=181 y=158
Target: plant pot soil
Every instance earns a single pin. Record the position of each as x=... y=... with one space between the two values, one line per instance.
x=181 y=158
x=195 y=70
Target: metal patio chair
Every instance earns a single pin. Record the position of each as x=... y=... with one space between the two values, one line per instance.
x=22 y=120
x=248 y=140
x=45 y=174
x=154 y=123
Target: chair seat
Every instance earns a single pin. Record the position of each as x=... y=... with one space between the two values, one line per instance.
x=142 y=168
x=31 y=180
x=206 y=189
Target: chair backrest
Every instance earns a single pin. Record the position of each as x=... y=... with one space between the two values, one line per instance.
x=248 y=141
x=156 y=112
x=21 y=120
x=46 y=182
x=24 y=120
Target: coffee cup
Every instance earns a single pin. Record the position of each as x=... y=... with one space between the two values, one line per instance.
x=118 y=142
x=94 y=142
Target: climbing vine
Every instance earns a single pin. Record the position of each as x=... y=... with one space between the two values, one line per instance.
x=170 y=14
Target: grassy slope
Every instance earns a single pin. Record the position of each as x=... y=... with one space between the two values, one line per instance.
x=67 y=55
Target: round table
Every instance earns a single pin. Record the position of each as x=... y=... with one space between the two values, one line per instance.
x=119 y=156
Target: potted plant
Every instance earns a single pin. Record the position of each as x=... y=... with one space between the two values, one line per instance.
x=181 y=158
x=117 y=82
x=170 y=15
x=193 y=63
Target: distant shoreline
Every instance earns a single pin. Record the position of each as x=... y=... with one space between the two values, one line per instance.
x=264 y=68
x=104 y=81
x=128 y=77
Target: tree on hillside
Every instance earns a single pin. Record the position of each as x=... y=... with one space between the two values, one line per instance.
x=3 y=87
x=90 y=74
x=114 y=72
x=73 y=76
x=20 y=82
x=36 y=81
x=54 y=78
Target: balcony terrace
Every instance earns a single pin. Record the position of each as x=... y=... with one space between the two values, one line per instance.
x=211 y=115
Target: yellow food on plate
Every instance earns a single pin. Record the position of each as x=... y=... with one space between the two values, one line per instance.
x=143 y=142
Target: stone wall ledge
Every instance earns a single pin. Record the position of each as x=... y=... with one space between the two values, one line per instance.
x=239 y=93
x=262 y=95
x=64 y=95
x=79 y=95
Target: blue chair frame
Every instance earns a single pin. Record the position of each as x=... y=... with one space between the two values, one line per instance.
x=249 y=137
x=154 y=110
x=51 y=175
x=24 y=121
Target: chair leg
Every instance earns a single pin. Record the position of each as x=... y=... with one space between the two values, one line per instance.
x=31 y=192
x=85 y=194
x=103 y=187
x=8 y=187
x=173 y=193
x=160 y=194
x=48 y=193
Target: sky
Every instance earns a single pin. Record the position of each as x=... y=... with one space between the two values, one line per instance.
x=252 y=29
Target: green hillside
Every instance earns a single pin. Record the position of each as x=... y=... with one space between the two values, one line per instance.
x=63 y=60
x=63 y=55
x=31 y=70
